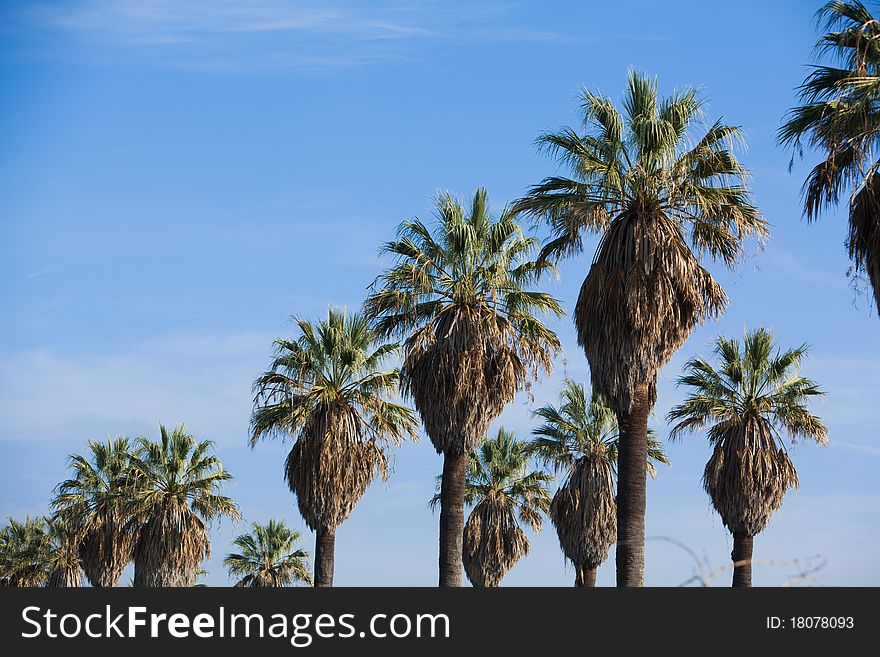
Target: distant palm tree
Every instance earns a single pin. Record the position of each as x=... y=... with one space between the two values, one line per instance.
x=753 y=396
x=65 y=541
x=504 y=492
x=580 y=440
x=460 y=295
x=329 y=389
x=25 y=553
x=665 y=192
x=92 y=503
x=175 y=489
x=840 y=117
x=269 y=557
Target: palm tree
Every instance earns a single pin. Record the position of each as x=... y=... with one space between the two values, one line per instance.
x=460 y=297
x=65 y=541
x=501 y=487
x=92 y=503
x=328 y=389
x=840 y=117
x=664 y=192
x=269 y=557
x=175 y=489
x=752 y=396
x=580 y=440
x=25 y=553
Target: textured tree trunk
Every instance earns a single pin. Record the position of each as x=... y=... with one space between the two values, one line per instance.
x=585 y=577
x=325 y=546
x=451 y=518
x=742 y=559
x=632 y=463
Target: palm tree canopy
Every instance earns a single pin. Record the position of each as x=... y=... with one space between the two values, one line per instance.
x=582 y=427
x=25 y=553
x=664 y=190
x=461 y=296
x=268 y=556
x=754 y=394
x=175 y=488
x=92 y=504
x=330 y=389
x=501 y=486
x=840 y=117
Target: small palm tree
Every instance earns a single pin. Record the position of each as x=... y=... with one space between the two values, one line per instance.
x=330 y=391
x=92 y=504
x=65 y=541
x=25 y=553
x=840 y=117
x=754 y=394
x=460 y=296
x=579 y=439
x=175 y=486
x=665 y=192
x=504 y=492
x=269 y=557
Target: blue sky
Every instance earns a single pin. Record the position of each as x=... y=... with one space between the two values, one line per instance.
x=177 y=178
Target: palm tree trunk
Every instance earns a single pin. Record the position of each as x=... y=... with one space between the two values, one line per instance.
x=586 y=576
x=632 y=464
x=325 y=546
x=742 y=559
x=451 y=518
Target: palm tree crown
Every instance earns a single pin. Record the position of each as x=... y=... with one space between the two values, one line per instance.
x=840 y=117
x=460 y=296
x=175 y=489
x=25 y=553
x=662 y=195
x=268 y=557
x=331 y=391
x=92 y=502
x=753 y=396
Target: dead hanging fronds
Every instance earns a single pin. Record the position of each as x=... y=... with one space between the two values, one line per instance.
x=64 y=542
x=174 y=488
x=755 y=393
x=459 y=295
x=493 y=542
x=329 y=390
x=584 y=512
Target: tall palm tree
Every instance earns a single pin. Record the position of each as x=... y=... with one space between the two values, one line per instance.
x=175 y=489
x=753 y=395
x=579 y=439
x=268 y=557
x=504 y=492
x=840 y=117
x=92 y=503
x=459 y=295
x=25 y=553
x=330 y=390
x=664 y=191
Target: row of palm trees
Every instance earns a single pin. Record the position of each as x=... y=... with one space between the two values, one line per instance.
x=666 y=194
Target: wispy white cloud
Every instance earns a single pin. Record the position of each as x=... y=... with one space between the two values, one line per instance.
x=276 y=34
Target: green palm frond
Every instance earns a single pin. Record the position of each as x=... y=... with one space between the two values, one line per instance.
x=268 y=557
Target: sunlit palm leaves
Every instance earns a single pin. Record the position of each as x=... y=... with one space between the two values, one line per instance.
x=460 y=293
x=92 y=503
x=754 y=394
x=175 y=486
x=268 y=556
x=840 y=117
x=25 y=553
